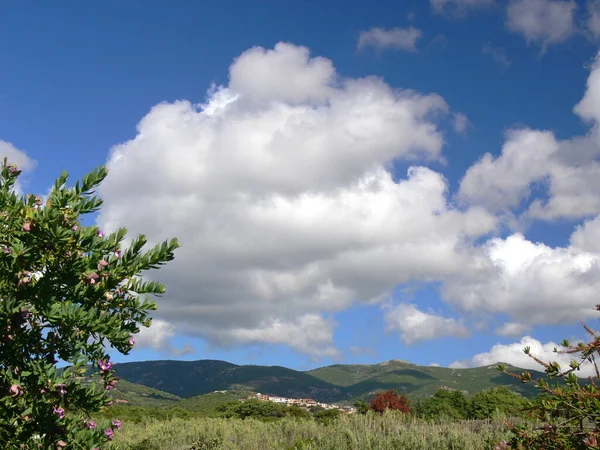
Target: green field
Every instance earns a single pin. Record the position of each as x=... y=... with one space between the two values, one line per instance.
x=352 y=432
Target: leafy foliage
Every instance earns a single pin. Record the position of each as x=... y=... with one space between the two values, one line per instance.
x=497 y=401
x=257 y=409
x=568 y=413
x=444 y=404
x=389 y=400
x=67 y=292
x=362 y=407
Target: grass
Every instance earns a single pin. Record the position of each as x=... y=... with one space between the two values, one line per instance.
x=353 y=432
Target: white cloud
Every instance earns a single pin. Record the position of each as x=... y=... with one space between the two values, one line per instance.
x=415 y=325
x=18 y=158
x=568 y=171
x=460 y=122
x=497 y=54
x=392 y=38
x=310 y=333
x=587 y=236
x=512 y=329
x=593 y=18
x=15 y=156
x=504 y=182
x=281 y=200
x=589 y=106
x=513 y=354
x=284 y=74
x=530 y=282
x=159 y=336
x=459 y=7
x=542 y=22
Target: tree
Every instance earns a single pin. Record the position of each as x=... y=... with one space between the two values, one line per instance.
x=67 y=292
x=499 y=400
x=362 y=407
x=443 y=404
x=389 y=400
x=568 y=414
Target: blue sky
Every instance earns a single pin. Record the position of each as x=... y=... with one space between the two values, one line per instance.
x=260 y=284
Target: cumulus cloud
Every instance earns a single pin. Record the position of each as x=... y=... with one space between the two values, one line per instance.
x=415 y=325
x=567 y=171
x=460 y=122
x=310 y=333
x=392 y=38
x=513 y=354
x=504 y=182
x=159 y=336
x=589 y=106
x=459 y=7
x=18 y=158
x=530 y=282
x=543 y=22
x=497 y=54
x=586 y=237
x=278 y=190
x=593 y=17
x=512 y=329
x=15 y=156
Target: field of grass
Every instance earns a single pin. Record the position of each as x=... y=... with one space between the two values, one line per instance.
x=353 y=432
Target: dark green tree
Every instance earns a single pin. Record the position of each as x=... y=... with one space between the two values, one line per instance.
x=444 y=404
x=499 y=400
x=67 y=292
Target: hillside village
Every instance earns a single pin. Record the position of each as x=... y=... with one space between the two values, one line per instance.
x=301 y=402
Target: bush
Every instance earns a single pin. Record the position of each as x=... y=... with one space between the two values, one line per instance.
x=495 y=401
x=444 y=404
x=389 y=400
x=67 y=292
x=568 y=414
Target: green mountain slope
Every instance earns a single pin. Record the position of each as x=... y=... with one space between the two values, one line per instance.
x=337 y=383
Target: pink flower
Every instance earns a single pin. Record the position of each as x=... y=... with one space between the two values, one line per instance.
x=15 y=390
x=131 y=341
x=100 y=233
x=118 y=253
x=91 y=425
x=116 y=424
x=59 y=412
x=104 y=364
x=75 y=228
x=91 y=278
x=102 y=264
x=61 y=388
x=27 y=226
x=109 y=433
x=61 y=444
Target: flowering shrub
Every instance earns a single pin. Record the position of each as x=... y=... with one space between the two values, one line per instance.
x=568 y=413
x=67 y=292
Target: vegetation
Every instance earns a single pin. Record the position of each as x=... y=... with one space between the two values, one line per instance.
x=332 y=384
x=349 y=432
x=389 y=401
x=67 y=292
x=568 y=414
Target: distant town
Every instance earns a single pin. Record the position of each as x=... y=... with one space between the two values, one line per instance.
x=302 y=402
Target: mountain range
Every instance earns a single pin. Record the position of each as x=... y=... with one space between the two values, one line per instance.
x=168 y=382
